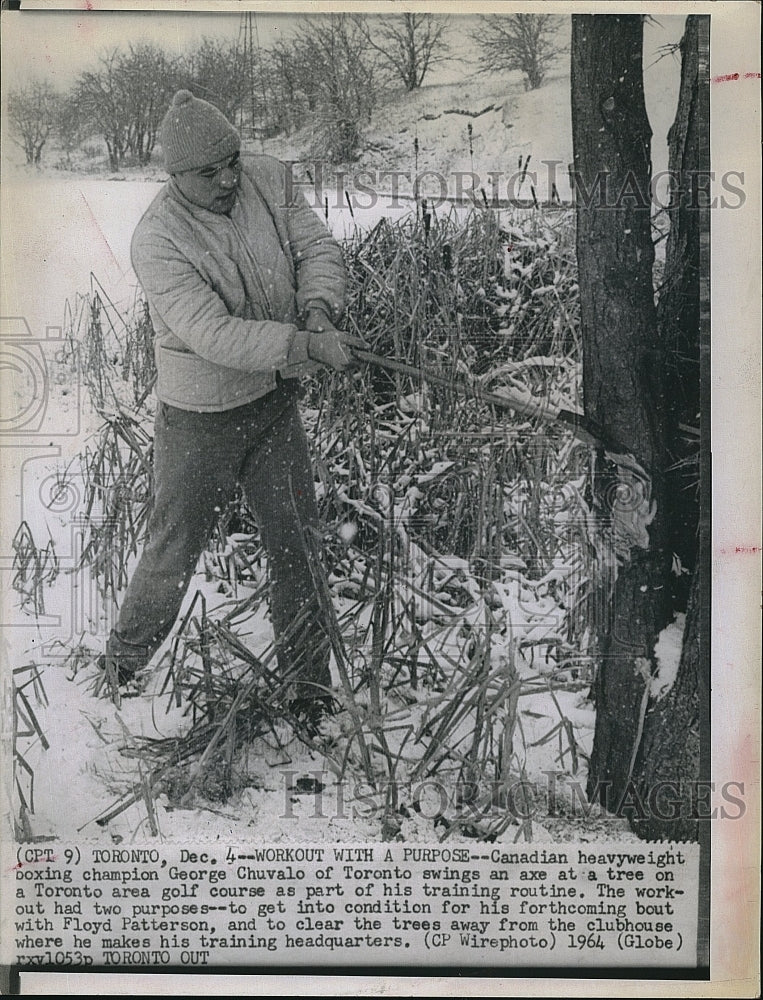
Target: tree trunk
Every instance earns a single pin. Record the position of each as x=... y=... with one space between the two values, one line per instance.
x=670 y=752
x=664 y=802
x=622 y=367
x=678 y=316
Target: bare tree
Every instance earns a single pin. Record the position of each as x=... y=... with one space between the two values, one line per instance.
x=674 y=745
x=31 y=117
x=287 y=86
x=341 y=80
x=102 y=100
x=126 y=98
x=622 y=368
x=409 y=43
x=646 y=739
x=525 y=42
x=70 y=127
x=148 y=78
x=678 y=310
x=216 y=71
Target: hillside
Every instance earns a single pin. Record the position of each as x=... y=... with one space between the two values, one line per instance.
x=507 y=123
x=426 y=132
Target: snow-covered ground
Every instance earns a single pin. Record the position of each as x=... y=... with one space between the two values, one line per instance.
x=82 y=772
x=60 y=228
x=79 y=769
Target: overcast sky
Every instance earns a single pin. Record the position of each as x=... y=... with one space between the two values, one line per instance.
x=61 y=44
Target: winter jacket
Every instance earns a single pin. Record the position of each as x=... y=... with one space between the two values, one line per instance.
x=226 y=293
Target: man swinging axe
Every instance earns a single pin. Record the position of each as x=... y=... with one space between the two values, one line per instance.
x=244 y=285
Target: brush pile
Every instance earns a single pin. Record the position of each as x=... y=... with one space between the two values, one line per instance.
x=456 y=563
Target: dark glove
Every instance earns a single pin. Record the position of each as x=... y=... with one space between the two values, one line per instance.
x=317 y=320
x=350 y=340
x=328 y=348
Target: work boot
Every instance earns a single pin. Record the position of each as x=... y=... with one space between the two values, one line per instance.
x=122 y=660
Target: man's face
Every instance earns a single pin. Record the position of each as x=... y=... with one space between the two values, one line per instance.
x=214 y=186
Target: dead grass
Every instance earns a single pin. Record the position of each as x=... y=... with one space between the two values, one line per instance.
x=441 y=519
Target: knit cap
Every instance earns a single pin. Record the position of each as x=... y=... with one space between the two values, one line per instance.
x=195 y=133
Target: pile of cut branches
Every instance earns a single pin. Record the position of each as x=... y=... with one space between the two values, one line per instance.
x=456 y=563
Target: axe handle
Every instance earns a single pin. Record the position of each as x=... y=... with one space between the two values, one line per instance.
x=470 y=389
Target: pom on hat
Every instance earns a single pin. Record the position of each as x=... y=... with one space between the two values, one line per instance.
x=195 y=133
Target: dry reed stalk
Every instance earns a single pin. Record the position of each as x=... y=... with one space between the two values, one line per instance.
x=494 y=296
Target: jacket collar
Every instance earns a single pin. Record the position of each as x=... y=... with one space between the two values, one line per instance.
x=203 y=214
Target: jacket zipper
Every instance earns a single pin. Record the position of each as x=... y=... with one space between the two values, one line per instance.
x=254 y=267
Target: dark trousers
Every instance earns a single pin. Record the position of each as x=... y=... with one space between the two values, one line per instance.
x=198 y=459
